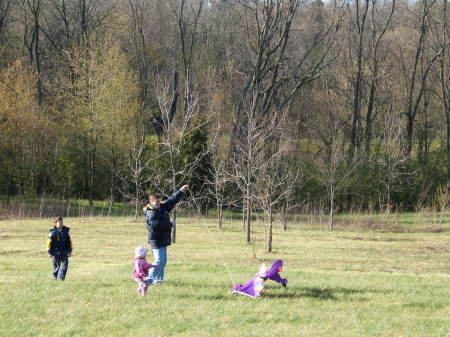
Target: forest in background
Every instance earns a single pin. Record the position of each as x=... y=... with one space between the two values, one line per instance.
x=259 y=105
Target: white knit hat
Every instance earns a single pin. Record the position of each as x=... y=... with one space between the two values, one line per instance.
x=140 y=251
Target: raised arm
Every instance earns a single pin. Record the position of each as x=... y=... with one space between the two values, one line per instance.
x=175 y=198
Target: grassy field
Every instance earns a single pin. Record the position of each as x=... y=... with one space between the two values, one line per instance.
x=383 y=277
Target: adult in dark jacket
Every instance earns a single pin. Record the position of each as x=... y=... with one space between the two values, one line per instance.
x=160 y=230
x=59 y=247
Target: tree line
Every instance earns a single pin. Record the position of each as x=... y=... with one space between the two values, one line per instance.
x=259 y=105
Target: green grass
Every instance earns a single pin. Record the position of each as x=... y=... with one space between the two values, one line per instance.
x=350 y=282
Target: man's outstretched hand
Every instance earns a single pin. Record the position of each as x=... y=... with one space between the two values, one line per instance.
x=184 y=188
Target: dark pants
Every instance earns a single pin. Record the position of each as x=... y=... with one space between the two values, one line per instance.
x=60 y=266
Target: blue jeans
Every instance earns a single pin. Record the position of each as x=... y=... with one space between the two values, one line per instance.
x=156 y=274
x=60 y=266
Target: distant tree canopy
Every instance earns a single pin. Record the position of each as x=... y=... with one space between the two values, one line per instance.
x=353 y=97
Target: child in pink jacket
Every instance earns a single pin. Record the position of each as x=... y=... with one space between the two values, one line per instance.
x=140 y=269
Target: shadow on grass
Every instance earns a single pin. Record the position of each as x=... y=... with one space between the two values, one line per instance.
x=318 y=293
x=325 y=294
x=322 y=294
x=347 y=294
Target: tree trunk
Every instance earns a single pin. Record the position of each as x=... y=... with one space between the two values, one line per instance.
x=269 y=237
x=243 y=217
x=136 y=197
x=412 y=101
x=331 y=216
x=284 y=212
x=113 y=183
x=174 y=213
x=374 y=78
x=410 y=134
x=174 y=228
x=248 y=220
x=219 y=215
x=37 y=55
x=425 y=150
x=357 y=97
x=446 y=91
x=447 y=114
x=369 y=117
x=388 y=193
x=91 y=179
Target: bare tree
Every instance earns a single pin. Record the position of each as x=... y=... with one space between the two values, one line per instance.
x=291 y=199
x=245 y=163
x=276 y=75
x=142 y=14
x=360 y=23
x=333 y=168
x=330 y=161
x=31 y=20
x=392 y=158
x=5 y=12
x=274 y=78
x=275 y=184
x=440 y=41
x=220 y=180
x=188 y=15
x=378 y=53
x=137 y=173
x=416 y=74
x=445 y=80
x=176 y=132
x=363 y=58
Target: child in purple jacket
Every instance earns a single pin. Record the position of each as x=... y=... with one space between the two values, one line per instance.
x=140 y=269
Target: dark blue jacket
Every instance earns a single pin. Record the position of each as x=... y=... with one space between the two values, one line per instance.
x=59 y=243
x=158 y=222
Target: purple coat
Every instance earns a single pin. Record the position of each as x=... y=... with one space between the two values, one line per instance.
x=254 y=287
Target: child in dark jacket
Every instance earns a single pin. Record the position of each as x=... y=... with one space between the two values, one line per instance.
x=59 y=246
x=159 y=230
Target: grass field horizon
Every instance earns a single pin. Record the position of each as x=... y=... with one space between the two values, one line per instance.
x=371 y=276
